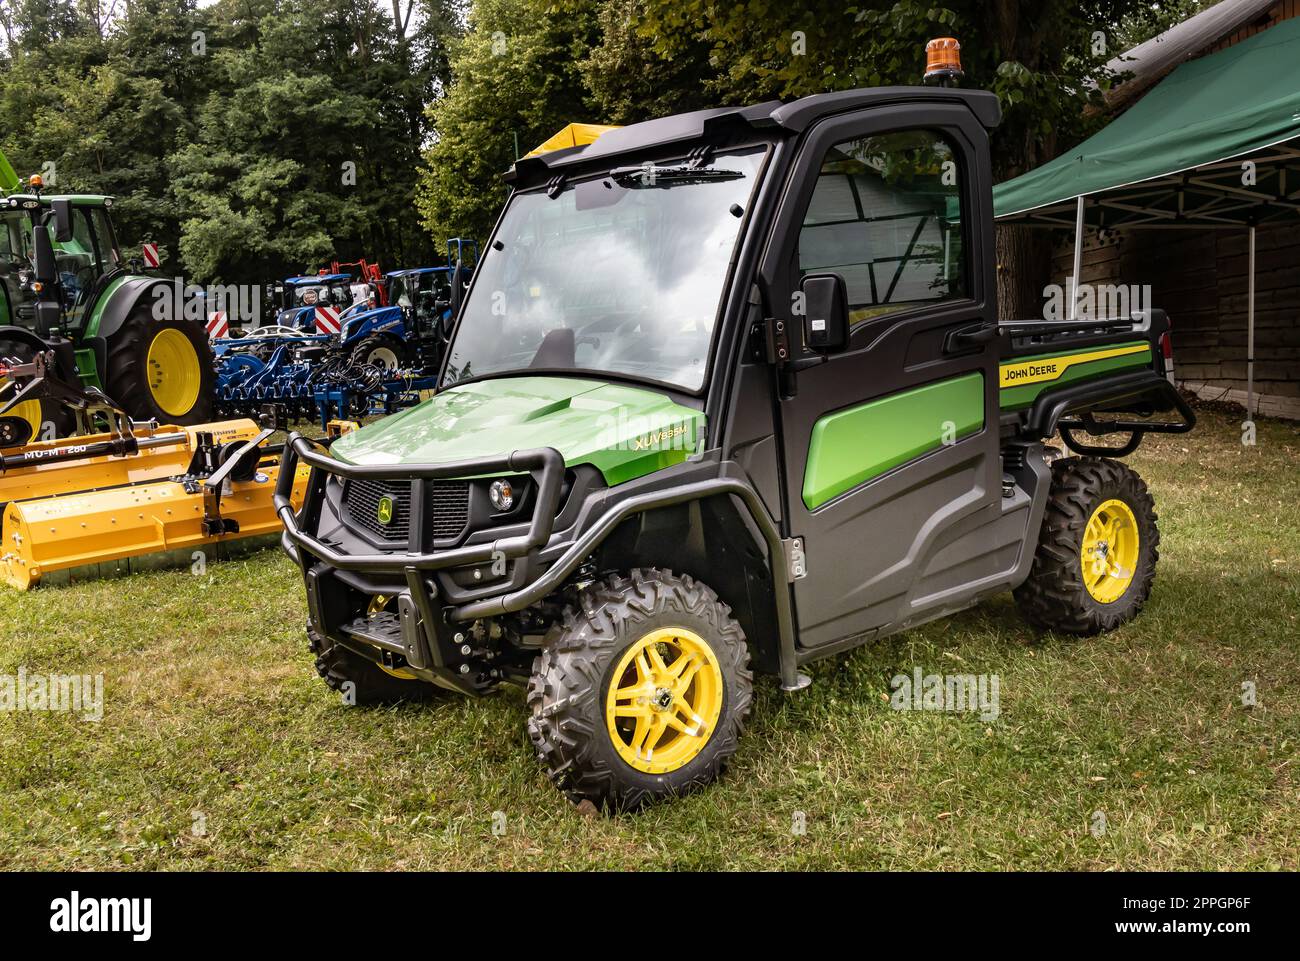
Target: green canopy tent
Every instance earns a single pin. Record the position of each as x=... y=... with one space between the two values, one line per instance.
x=1215 y=144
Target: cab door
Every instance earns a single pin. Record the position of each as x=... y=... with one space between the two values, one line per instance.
x=891 y=453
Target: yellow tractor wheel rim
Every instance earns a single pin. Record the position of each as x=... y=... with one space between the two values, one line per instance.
x=28 y=410
x=664 y=701
x=174 y=374
x=1109 y=556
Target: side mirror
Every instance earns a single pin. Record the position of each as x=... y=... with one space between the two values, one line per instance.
x=826 y=313
x=457 y=296
x=46 y=267
x=48 y=309
x=62 y=209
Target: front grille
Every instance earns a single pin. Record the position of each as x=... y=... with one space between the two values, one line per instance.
x=448 y=507
x=362 y=498
x=450 y=504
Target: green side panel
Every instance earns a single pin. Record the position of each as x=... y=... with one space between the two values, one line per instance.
x=850 y=447
x=624 y=432
x=88 y=369
x=91 y=327
x=1013 y=397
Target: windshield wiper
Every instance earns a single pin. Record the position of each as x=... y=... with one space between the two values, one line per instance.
x=649 y=175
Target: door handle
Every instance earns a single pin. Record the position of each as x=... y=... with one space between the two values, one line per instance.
x=973 y=336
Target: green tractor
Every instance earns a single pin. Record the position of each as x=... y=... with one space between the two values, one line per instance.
x=91 y=315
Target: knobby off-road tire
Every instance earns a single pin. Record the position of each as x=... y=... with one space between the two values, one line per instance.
x=1094 y=509
x=161 y=369
x=621 y=633
x=363 y=683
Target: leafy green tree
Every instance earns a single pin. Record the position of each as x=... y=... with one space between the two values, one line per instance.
x=307 y=144
x=518 y=79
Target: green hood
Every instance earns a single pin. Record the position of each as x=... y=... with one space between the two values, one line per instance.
x=624 y=432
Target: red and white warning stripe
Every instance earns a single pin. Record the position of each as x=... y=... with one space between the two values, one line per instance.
x=327 y=320
x=218 y=325
x=151 y=255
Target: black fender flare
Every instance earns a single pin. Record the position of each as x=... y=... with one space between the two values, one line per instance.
x=123 y=300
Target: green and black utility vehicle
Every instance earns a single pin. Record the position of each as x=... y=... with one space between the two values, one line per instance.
x=728 y=393
x=76 y=300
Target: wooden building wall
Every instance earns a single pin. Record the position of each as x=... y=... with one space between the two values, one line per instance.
x=1199 y=277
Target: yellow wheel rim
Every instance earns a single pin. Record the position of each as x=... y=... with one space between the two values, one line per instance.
x=1109 y=556
x=664 y=701
x=174 y=375
x=28 y=410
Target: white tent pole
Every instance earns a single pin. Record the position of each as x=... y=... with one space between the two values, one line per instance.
x=1078 y=259
x=1250 y=330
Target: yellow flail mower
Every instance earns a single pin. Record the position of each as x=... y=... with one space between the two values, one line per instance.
x=126 y=495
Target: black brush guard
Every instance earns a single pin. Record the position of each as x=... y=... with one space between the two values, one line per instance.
x=418 y=602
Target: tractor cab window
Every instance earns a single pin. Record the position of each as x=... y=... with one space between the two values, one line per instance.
x=885 y=216
x=401 y=293
x=80 y=262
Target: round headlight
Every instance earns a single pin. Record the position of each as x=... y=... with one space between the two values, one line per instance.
x=502 y=494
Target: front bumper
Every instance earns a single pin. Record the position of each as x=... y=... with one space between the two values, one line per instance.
x=416 y=630
x=429 y=633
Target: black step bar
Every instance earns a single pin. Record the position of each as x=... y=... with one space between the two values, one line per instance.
x=1071 y=409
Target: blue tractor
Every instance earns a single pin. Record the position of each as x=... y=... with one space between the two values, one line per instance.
x=296 y=299
x=408 y=333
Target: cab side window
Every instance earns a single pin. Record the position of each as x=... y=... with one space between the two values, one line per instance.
x=885 y=215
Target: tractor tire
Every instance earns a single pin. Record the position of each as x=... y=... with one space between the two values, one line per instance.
x=161 y=369
x=381 y=350
x=1097 y=550
x=641 y=632
x=363 y=683
x=32 y=420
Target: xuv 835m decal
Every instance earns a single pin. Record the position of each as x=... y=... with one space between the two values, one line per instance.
x=1021 y=381
x=853 y=446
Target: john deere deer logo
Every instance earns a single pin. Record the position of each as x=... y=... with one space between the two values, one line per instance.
x=384 y=513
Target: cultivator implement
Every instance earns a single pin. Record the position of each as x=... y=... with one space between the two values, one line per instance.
x=308 y=378
x=135 y=496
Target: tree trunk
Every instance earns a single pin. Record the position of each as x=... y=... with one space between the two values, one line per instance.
x=1024 y=269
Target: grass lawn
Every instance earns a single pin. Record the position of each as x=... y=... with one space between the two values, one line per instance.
x=220 y=748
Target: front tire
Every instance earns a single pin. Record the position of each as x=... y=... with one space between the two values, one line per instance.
x=379 y=351
x=1097 y=549
x=642 y=692
x=363 y=683
x=161 y=369
x=32 y=420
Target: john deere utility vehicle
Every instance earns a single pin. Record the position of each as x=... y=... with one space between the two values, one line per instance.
x=728 y=393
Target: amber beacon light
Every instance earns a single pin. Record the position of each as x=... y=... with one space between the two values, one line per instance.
x=942 y=61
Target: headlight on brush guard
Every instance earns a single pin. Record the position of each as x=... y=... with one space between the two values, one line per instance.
x=502 y=494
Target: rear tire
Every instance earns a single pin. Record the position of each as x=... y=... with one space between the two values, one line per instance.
x=36 y=414
x=1097 y=550
x=628 y=633
x=363 y=683
x=161 y=369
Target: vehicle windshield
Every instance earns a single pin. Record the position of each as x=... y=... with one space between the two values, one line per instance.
x=331 y=295
x=621 y=275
